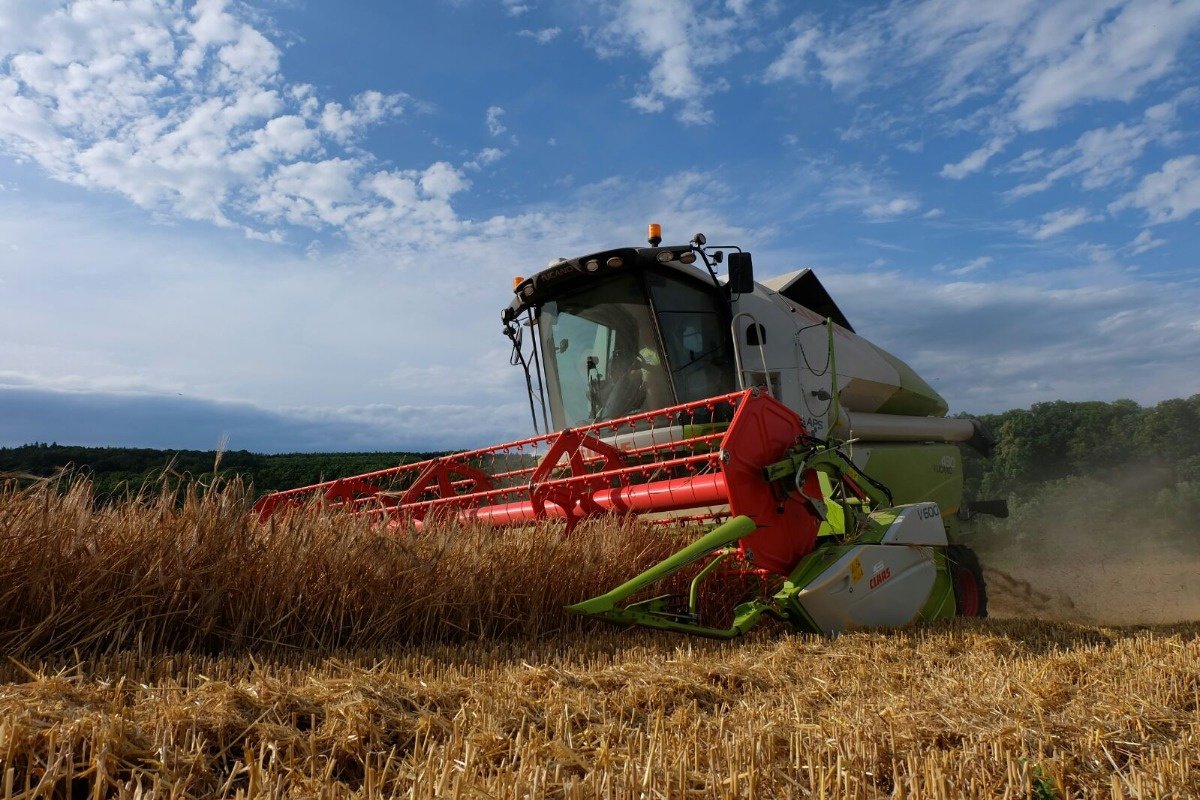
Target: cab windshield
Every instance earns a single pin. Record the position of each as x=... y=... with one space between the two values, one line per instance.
x=604 y=358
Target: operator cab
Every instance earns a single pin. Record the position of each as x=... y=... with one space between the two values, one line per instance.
x=621 y=332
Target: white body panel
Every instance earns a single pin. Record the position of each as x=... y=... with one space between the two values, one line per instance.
x=794 y=363
x=871 y=586
x=917 y=523
x=635 y=440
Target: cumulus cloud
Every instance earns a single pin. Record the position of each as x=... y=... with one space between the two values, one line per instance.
x=366 y=109
x=1168 y=195
x=442 y=181
x=486 y=156
x=184 y=111
x=492 y=118
x=682 y=39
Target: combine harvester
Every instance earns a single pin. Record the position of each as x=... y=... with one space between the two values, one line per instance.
x=813 y=464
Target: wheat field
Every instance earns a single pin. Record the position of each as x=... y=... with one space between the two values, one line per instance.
x=168 y=647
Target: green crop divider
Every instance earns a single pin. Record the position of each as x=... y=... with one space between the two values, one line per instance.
x=656 y=612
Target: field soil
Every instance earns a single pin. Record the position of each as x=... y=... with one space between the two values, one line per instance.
x=1098 y=576
x=1145 y=590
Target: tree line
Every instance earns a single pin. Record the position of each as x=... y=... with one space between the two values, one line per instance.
x=1158 y=445
x=1103 y=481
x=1148 y=448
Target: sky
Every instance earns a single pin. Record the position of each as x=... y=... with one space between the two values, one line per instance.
x=290 y=225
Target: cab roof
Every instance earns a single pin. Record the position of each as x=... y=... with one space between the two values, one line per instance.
x=567 y=273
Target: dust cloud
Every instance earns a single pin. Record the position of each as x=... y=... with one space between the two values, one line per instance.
x=1091 y=552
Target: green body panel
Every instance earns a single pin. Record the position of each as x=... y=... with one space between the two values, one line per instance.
x=916 y=473
x=834 y=523
x=695 y=431
x=941 y=598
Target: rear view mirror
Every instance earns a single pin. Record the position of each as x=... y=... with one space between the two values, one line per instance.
x=741 y=274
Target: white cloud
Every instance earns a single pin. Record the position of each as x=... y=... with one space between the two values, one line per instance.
x=1108 y=53
x=857 y=189
x=486 y=156
x=1169 y=195
x=183 y=112
x=492 y=118
x=1101 y=156
x=516 y=8
x=1039 y=59
x=682 y=39
x=887 y=209
x=1055 y=222
x=974 y=265
x=542 y=35
x=17 y=21
x=794 y=61
x=311 y=194
x=989 y=344
x=441 y=181
x=882 y=245
x=366 y=109
x=1144 y=243
x=976 y=160
x=401 y=320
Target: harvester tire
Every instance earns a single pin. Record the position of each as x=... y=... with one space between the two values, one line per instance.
x=970 y=592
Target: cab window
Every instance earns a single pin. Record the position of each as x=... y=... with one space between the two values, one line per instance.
x=696 y=337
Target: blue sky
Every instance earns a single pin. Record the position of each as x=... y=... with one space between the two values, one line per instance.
x=294 y=223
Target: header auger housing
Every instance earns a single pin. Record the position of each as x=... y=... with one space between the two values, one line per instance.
x=821 y=469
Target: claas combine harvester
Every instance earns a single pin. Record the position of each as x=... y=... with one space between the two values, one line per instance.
x=813 y=467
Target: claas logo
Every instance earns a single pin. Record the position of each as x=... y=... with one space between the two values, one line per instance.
x=880 y=577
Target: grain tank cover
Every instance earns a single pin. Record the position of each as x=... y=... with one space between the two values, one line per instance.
x=803 y=289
